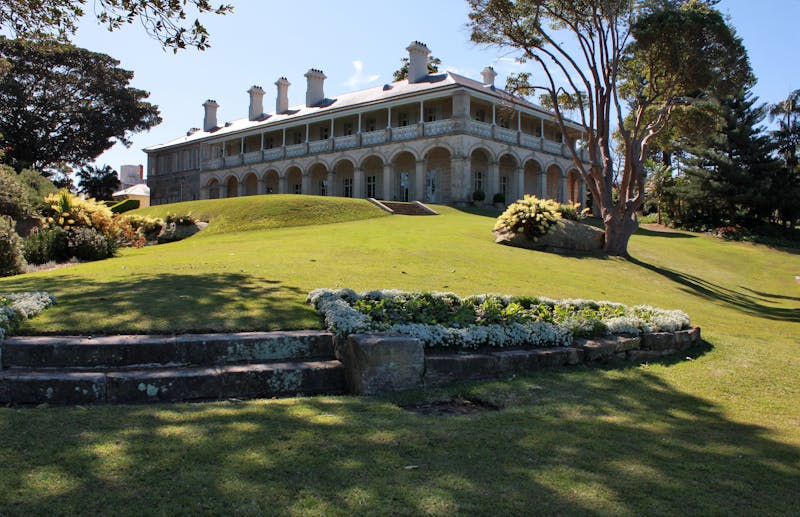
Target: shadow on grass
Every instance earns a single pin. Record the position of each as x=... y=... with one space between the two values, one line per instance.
x=650 y=232
x=748 y=303
x=174 y=303
x=569 y=442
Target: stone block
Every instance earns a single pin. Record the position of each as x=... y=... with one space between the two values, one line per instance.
x=29 y=387
x=597 y=349
x=556 y=356
x=444 y=368
x=568 y=236
x=378 y=363
x=686 y=338
x=164 y=385
x=641 y=356
x=515 y=361
x=658 y=341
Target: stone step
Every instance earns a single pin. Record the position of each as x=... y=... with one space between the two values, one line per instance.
x=401 y=208
x=18 y=386
x=163 y=350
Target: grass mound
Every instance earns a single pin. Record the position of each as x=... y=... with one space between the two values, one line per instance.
x=242 y=214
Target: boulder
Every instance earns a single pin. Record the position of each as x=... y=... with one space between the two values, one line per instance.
x=568 y=236
x=175 y=232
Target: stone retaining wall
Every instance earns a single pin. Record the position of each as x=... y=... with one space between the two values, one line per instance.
x=378 y=363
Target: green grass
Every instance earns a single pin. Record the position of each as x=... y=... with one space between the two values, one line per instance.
x=717 y=434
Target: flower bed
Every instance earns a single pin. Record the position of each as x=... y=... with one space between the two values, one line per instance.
x=443 y=320
x=14 y=308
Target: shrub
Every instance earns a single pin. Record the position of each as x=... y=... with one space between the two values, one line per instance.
x=11 y=261
x=46 y=244
x=570 y=211
x=733 y=233
x=124 y=206
x=89 y=244
x=478 y=195
x=21 y=194
x=532 y=216
x=14 y=308
x=499 y=198
x=67 y=210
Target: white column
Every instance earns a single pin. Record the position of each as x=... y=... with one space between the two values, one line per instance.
x=358 y=182
x=562 y=189
x=307 y=133
x=305 y=188
x=359 y=123
x=282 y=185
x=421 y=111
x=520 y=191
x=262 y=185
x=419 y=182
x=493 y=183
x=387 y=181
x=543 y=184
x=331 y=185
x=241 y=188
x=494 y=115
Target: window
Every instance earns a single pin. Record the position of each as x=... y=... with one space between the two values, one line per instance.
x=478 y=181
x=372 y=182
x=480 y=116
x=430 y=114
x=348 y=128
x=269 y=142
x=298 y=137
x=504 y=186
x=402 y=118
x=324 y=133
x=348 y=187
x=323 y=188
x=372 y=124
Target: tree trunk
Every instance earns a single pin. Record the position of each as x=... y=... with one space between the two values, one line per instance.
x=619 y=228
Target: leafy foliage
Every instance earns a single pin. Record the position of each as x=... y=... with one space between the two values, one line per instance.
x=64 y=104
x=11 y=261
x=402 y=72
x=97 y=183
x=165 y=21
x=532 y=216
x=16 y=307
x=22 y=194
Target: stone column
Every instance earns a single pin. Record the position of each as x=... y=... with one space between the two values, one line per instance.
x=542 y=184
x=465 y=194
x=459 y=179
x=204 y=192
x=262 y=185
x=493 y=183
x=418 y=190
x=331 y=191
x=387 y=181
x=282 y=185
x=358 y=182
x=520 y=181
x=306 y=183
x=562 y=189
x=241 y=188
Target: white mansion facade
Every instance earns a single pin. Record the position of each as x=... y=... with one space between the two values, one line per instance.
x=432 y=138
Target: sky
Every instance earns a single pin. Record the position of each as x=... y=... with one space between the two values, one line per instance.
x=358 y=44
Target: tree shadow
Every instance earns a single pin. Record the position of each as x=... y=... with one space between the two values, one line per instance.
x=649 y=232
x=567 y=442
x=710 y=291
x=174 y=303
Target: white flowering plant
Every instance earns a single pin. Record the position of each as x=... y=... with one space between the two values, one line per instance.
x=532 y=216
x=17 y=307
x=444 y=320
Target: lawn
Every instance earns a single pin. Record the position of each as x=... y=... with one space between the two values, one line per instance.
x=717 y=434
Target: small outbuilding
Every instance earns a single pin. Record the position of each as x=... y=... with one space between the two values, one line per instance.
x=140 y=192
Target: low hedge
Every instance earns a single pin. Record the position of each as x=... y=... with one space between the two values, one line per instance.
x=445 y=320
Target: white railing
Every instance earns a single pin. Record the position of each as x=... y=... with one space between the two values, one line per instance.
x=345 y=142
x=551 y=147
x=404 y=133
x=230 y=161
x=319 y=146
x=530 y=141
x=252 y=157
x=373 y=137
x=505 y=135
x=212 y=163
x=478 y=128
x=273 y=154
x=439 y=127
x=295 y=150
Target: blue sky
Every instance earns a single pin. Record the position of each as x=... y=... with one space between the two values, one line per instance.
x=358 y=43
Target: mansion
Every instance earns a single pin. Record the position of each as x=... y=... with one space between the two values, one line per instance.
x=432 y=138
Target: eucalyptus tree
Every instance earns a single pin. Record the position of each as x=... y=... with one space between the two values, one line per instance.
x=621 y=65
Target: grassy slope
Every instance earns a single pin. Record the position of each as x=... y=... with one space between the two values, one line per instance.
x=718 y=434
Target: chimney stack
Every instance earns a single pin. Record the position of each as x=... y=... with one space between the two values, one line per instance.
x=282 y=100
x=417 y=61
x=314 y=90
x=210 y=119
x=489 y=74
x=256 y=102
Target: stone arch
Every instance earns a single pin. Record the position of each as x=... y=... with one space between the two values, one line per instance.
x=372 y=165
x=371 y=157
x=294 y=180
x=318 y=176
x=437 y=183
x=404 y=166
x=554 y=175
x=271 y=179
x=532 y=183
x=213 y=187
x=231 y=186
x=480 y=163
x=405 y=149
x=491 y=155
x=250 y=182
x=444 y=145
x=507 y=167
x=344 y=179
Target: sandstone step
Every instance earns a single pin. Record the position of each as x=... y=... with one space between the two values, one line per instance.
x=18 y=386
x=187 y=349
x=402 y=208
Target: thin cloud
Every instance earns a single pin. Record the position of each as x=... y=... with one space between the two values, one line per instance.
x=358 y=78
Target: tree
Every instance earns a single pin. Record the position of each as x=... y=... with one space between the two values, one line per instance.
x=630 y=64
x=165 y=21
x=97 y=183
x=659 y=179
x=402 y=72
x=786 y=187
x=64 y=104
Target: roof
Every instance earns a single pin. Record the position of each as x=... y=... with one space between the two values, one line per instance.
x=136 y=190
x=349 y=100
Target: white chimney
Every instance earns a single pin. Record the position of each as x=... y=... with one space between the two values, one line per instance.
x=210 y=119
x=282 y=100
x=417 y=61
x=488 y=74
x=314 y=90
x=256 y=102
